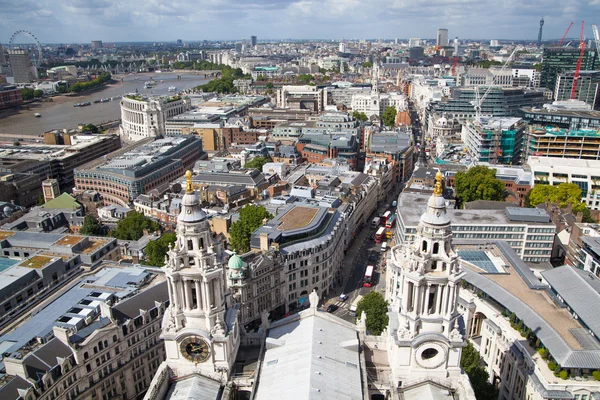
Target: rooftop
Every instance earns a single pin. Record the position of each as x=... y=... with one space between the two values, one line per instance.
x=297 y=217
x=539 y=130
x=36 y=262
x=517 y=289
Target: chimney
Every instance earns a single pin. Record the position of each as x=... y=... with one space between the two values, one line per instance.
x=579 y=217
x=264 y=241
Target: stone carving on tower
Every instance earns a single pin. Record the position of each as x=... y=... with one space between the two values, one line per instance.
x=200 y=327
x=425 y=341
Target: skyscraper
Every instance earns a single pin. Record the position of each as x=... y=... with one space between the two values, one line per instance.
x=20 y=65
x=561 y=59
x=442 y=37
x=539 y=43
x=253 y=40
x=2 y=58
x=97 y=44
x=456 y=46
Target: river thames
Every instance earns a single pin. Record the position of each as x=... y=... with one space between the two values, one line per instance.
x=61 y=114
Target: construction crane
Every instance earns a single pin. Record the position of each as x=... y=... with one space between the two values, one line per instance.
x=565 y=35
x=454 y=62
x=596 y=39
x=478 y=102
x=578 y=68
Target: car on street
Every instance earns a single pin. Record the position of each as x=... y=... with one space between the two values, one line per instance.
x=332 y=308
x=372 y=256
x=343 y=297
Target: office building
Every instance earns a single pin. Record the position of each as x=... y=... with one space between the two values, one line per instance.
x=423 y=340
x=396 y=147
x=122 y=176
x=500 y=102
x=414 y=42
x=494 y=140
x=21 y=66
x=312 y=263
x=585 y=173
x=10 y=96
x=36 y=263
x=586 y=91
x=556 y=60
x=97 y=44
x=301 y=98
x=488 y=77
x=2 y=56
x=529 y=231
x=442 y=38
x=145 y=117
x=253 y=41
x=525 y=323
x=99 y=340
x=56 y=161
x=572 y=115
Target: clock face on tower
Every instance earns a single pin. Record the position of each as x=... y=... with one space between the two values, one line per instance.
x=194 y=349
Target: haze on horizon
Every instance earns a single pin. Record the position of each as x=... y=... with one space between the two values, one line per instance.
x=78 y=21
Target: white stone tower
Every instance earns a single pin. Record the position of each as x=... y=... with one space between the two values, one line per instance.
x=200 y=327
x=424 y=340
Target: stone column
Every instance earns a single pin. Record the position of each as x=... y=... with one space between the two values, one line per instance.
x=176 y=295
x=198 y=294
x=186 y=292
x=170 y=289
x=427 y=293
x=440 y=297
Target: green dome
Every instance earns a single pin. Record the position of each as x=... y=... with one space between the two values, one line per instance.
x=235 y=262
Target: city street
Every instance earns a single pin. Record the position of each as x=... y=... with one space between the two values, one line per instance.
x=353 y=269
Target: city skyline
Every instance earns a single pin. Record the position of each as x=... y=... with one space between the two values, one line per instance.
x=113 y=21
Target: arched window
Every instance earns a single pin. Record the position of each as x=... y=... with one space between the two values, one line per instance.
x=424 y=247
x=436 y=248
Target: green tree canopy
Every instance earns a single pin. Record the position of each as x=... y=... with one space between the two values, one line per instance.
x=563 y=195
x=360 y=116
x=98 y=81
x=133 y=225
x=91 y=226
x=305 y=78
x=90 y=128
x=478 y=183
x=376 y=307
x=251 y=218
x=257 y=163
x=367 y=64
x=38 y=93
x=27 y=93
x=269 y=85
x=157 y=249
x=389 y=116
x=469 y=362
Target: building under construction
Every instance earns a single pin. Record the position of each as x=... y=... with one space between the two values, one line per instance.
x=495 y=140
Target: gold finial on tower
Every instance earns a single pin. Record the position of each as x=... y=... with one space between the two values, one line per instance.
x=188 y=185
x=437 y=188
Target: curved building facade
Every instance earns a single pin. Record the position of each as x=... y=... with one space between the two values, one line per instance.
x=143 y=117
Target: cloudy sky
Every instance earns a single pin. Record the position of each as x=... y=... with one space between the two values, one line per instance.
x=62 y=21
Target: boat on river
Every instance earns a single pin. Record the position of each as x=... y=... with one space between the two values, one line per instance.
x=37 y=115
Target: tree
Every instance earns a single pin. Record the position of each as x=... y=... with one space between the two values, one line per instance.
x=41 y=200
x=91 y=226
x=478 y=183
x=376 y=308
x=251 y=218
x=90 y=128
x=389 y=117
x=133 y=225
x=563 y=195
x=360 y=116
x=269 y=85
x=469 y=362
x=257 y=163
x=596 y=375
x=157 y=249
x=305 y=78
x=27 y=93
x=367 y=64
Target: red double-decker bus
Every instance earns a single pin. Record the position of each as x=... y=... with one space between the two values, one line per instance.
x=368 y=281
x=385 y=217
x=380 y=235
